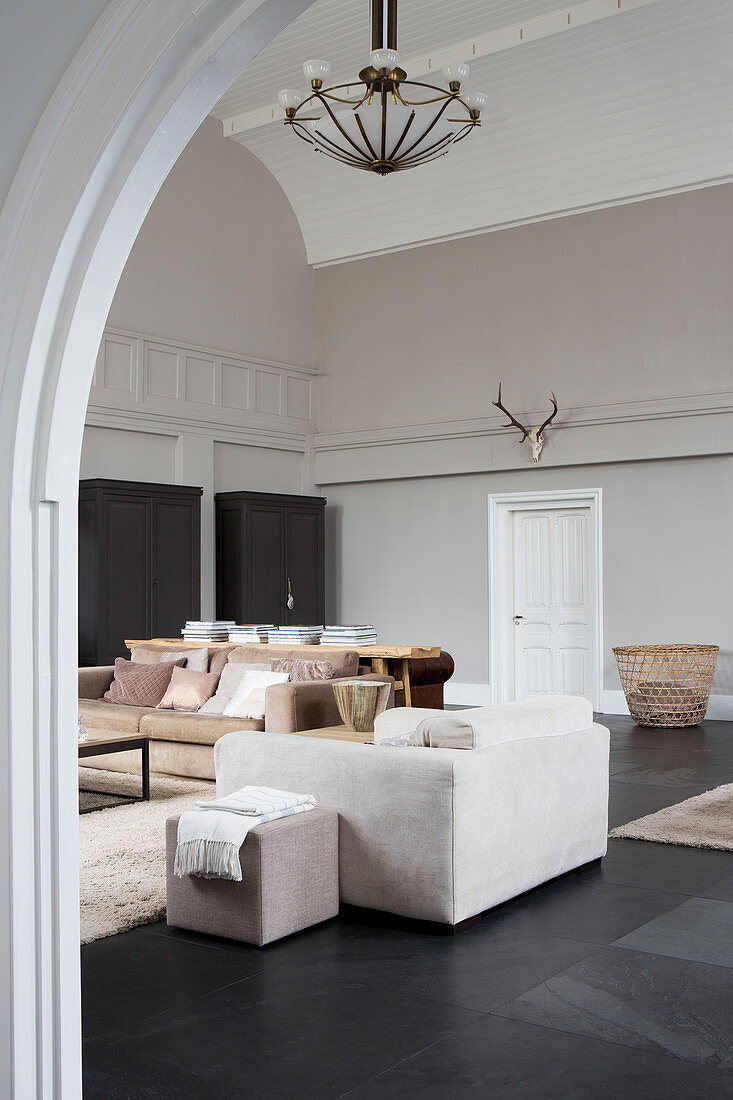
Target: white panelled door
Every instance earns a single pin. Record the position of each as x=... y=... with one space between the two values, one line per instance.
x=554 y=597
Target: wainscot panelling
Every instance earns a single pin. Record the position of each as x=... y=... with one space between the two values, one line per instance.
x=697 y=424
x=173 y=383
x=206 y=417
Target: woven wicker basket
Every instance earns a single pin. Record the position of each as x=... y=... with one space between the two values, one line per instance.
x=667 y=685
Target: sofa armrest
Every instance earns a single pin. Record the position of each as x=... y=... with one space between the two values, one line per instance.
x=541 y=802
x=93 y=682
x=307 y=704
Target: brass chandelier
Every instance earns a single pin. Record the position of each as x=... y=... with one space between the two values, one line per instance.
x=392 y=126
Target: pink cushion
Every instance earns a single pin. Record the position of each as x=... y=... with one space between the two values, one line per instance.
x=137 y=685
x=302 y=669
x=197 y=659
x=345 y=661
x=188 y=689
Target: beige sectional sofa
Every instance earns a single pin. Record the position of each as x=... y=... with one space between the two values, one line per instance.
x=182 y=743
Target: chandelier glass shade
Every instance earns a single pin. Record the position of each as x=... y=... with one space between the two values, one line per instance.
x=394 y=123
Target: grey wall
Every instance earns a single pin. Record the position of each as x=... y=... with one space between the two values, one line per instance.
x=128 y=456
x=617 y=305
x=622 y=305
x=219 y=263
x=413 y=557
x=220 y=259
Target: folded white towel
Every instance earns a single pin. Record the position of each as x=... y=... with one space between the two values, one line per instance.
x=257 y=801
x=209 y=838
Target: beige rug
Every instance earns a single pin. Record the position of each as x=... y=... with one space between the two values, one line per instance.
x=122 y=852
x=705 y=821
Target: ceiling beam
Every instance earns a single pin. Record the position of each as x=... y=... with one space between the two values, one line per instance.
x=506 y=38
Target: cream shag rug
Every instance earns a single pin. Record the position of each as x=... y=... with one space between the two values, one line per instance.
x=705 y=821
x=122 y=851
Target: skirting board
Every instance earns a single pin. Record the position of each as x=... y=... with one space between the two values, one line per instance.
x=466 y=695
x=720 y=708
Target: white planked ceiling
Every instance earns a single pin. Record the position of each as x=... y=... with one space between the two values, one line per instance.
x=619 y=108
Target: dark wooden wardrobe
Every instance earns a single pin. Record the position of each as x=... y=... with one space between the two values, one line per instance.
x=269 y=546
x=139 y=564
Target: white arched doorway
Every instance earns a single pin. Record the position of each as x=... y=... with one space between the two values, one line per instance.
x=137 y=90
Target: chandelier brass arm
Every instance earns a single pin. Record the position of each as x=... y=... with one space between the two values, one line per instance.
x=383 y=130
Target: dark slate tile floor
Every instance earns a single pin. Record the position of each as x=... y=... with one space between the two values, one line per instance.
x=613 y=984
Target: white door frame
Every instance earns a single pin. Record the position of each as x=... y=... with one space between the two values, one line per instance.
x=501 y=591
x=142 y=82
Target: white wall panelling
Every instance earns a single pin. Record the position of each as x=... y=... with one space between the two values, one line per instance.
x=529 y=29
x=164 y=411
x=180 y=383
x=195 y=466
x=591 y=117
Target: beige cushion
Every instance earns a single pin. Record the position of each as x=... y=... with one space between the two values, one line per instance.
x=140 y=685
x=445 y=731
x=345 y=662
x=239 y=707
x=188 y=690
x=219 y=658
x=228 y=683
x=193 y=729
x=196 y=659
x=482 y=727
x=398 y=721
x=101 y=715
x=299 y=669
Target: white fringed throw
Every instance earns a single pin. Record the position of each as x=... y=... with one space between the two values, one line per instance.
x=209 y=838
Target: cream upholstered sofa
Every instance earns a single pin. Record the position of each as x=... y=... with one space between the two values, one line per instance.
x=181 y=743
x=443 y=834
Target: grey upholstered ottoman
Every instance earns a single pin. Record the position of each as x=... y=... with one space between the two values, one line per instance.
x=289 y=882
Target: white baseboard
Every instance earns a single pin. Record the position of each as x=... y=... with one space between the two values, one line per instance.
x=466 y=695
x=720 y=707
x=614 y=702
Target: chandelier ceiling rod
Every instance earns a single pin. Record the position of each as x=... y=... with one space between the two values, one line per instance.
x=384 y=24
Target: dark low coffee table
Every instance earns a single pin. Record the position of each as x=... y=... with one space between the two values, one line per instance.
x=100 y=742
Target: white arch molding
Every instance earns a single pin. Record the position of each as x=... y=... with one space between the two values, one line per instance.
x=135 y=93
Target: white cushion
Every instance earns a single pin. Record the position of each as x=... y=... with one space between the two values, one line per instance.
x=482 y=727
x=229 y=681
x=240 y=705
x=253 y=706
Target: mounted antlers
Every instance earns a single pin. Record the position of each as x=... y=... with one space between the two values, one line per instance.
x=534 y=436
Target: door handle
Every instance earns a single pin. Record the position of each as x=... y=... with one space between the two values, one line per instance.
x=518 y=619
x=290 y=600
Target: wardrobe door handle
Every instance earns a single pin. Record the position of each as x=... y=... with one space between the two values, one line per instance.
x=290 y=600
